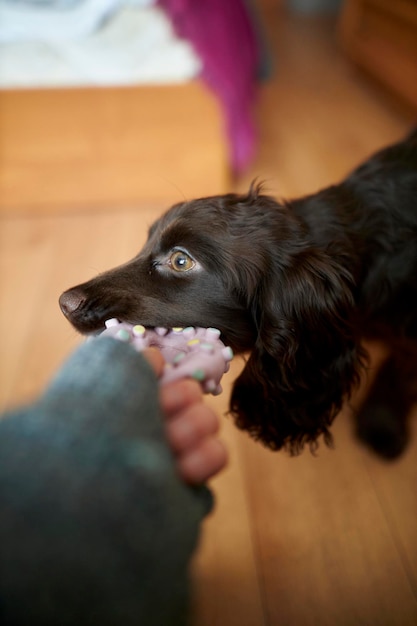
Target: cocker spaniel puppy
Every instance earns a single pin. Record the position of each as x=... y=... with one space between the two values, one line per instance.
x=296 y=284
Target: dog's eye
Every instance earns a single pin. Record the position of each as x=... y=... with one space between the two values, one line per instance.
x=180 y=261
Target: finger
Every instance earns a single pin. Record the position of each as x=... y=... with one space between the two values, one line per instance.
x=177 y=396
x=190 y=427
x=203 y=462
x=155 y=359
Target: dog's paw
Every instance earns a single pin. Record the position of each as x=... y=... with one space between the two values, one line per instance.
x=382 y=430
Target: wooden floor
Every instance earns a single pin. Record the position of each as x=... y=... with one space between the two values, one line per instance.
x=329 y=540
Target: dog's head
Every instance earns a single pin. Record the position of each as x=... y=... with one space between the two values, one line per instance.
x=197 y=268
x=245 y=265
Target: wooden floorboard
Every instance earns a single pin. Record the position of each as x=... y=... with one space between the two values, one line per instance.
x=313 y=540
x=326 y=546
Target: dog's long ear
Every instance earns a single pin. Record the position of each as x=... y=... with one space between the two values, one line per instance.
x=306 y=359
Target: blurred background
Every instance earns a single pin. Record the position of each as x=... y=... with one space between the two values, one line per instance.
x=111 y=111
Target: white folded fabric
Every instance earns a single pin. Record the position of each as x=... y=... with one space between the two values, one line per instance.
x=135 y=46
x=56 y=20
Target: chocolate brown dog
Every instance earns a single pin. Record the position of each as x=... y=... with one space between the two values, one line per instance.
x=298 y=284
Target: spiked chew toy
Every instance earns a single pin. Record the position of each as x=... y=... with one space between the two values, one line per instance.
x=191 y=352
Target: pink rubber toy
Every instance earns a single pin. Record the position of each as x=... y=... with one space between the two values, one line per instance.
x=189 y=352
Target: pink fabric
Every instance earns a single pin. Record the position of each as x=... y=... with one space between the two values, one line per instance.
x=224 y=37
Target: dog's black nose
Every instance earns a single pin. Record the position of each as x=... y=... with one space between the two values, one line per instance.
x=71 y=300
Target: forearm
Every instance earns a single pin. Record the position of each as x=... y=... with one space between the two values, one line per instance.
x=94 y=520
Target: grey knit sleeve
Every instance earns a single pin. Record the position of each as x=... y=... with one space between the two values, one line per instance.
x=95 y=525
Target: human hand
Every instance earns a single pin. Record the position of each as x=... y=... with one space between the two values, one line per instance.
x=191 y=427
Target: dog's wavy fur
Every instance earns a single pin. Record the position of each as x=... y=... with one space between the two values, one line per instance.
x=297 y=284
